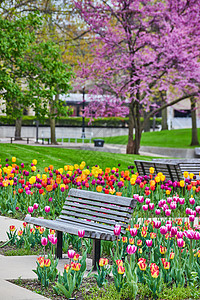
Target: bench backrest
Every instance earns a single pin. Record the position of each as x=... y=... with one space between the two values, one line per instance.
x=97 y=209
x=171 y=170
x=191 y=166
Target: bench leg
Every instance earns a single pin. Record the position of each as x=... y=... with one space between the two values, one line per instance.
x=11 y=139
x=96 y=253
x=42 y=141
x=27 y=140
x=59 y=244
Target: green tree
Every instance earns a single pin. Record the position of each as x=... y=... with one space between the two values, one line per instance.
x=51 y=79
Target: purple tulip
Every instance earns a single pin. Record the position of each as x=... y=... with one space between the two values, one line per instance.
x=157 y=211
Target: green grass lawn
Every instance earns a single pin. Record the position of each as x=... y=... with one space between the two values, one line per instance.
x=179 y=138
x=58 y=157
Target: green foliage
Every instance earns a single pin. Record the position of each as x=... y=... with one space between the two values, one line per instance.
x=179 y=293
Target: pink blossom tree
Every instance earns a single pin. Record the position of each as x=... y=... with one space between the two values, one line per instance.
x=143 y=48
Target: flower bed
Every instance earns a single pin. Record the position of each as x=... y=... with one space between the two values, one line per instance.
x=153 y=255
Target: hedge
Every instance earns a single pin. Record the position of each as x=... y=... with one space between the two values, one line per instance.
x=75 y=121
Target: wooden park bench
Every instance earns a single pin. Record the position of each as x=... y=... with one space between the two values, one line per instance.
x=190 y=165
x=96 y=213
x=12 y=138
x=171 y=170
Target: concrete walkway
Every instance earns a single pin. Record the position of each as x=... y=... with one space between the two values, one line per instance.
x=14 y=267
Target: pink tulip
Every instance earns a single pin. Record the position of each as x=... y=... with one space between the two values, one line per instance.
x=193 y=212
x=117 y=230
x=169 y=200
x=44 y=241
x=50 y=237
x=173 y=205
x=180 y=235
x=157 y=212
x=197 y=235
x=35 y=205
x=180 y=243
x=169 y=226
x=165 y=206
x=71 y=254
x=131 y=249
x=81 y=233
x=140 y=199
x=147 y=201
x=181 y=201
x=174 y=231
x=47 y=209
x=30 y=209
x=151 y=206
x=191 y=218
x=188 y=211
x=163 y=230
x=145 y=207
x=133 y=231
x=149 y=243
x=157 y=224
x=189 y=234
x=197 y=209
x=168 y=212
x=54 y=240
x=192 y=201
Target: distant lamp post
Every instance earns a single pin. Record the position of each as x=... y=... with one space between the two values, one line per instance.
x=83 y=118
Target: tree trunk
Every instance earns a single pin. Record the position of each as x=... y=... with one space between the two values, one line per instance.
x=164 y=119
x=18 y=126
x=130 y=145
x=53 y=130
x=194 y=141
x=147 y=124
x=52 y=123
x=138 y=131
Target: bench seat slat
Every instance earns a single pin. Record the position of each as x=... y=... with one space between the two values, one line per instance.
x=117 y=208
x=102 y=211
x=98 y=226
x=94 y=196
x=87 y=214
x=93 y=218
x=67 y=227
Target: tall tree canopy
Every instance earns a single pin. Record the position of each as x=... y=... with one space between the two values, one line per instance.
x=143 y=48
